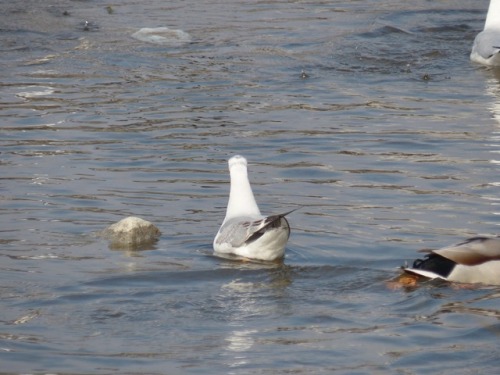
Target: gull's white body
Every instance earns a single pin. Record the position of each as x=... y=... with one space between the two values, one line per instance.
x=476 y=260
x=244 y=231
x=486 y=47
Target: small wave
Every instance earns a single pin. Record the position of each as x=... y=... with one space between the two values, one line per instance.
x=36 y=91
x=162 y=35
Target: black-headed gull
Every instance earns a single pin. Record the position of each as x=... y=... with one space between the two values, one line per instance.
x=244 y=231
x=486 y=47
x=476 y=260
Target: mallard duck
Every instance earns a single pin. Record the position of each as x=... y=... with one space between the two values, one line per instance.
x=244 y=231
x=486 y=47
x=476 y=260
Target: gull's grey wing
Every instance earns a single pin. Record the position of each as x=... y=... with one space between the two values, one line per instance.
x=486 y=44
x=241 y=230
x=238 y=230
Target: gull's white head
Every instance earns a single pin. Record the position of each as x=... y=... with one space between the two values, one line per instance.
x=241 y=199
x=493 y=15
x=237 y=160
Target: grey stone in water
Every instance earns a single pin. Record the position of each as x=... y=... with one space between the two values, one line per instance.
x=131 y=232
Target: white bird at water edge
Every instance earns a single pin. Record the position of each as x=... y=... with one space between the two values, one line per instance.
x=244 y=231
x=486 y=47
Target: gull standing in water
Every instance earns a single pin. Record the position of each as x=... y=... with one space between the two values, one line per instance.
x=476 y=260
x=486 y=47
x=244 y=231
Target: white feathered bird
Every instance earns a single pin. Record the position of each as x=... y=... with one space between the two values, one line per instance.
x=244 y=231
x=476 y=260
x=486 y=47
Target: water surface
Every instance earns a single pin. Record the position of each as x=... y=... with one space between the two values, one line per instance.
x=370 y=119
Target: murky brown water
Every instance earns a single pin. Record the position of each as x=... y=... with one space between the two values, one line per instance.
x=371 y=119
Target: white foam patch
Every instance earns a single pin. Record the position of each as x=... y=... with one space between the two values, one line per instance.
x=36 y=92
x=162 y=35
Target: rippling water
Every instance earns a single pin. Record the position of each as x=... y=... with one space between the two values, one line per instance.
x=371 y=119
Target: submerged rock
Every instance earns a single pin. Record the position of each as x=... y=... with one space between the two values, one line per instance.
x=131 y=232
x=162 y=35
